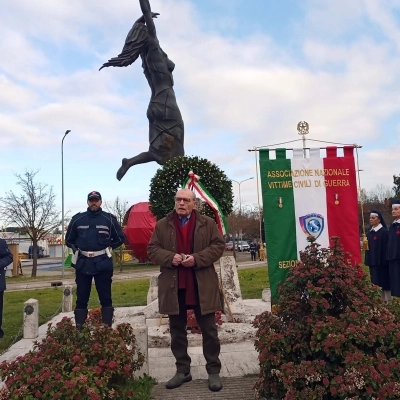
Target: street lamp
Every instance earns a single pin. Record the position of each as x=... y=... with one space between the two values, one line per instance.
x=240 y=206
x=240 y=199
x=62 y=203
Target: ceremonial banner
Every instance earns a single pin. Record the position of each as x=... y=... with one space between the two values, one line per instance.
x=307 y=196
x=193 y=183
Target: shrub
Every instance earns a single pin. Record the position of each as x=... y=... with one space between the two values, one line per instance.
x=331 y=336
x=94 y=363
x=192 y=321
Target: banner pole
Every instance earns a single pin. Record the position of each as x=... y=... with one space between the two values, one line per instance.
x=261 y=244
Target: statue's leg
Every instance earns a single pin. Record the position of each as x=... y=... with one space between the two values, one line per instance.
x=141 y=158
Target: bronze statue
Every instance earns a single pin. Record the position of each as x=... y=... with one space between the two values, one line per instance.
x=166 y=130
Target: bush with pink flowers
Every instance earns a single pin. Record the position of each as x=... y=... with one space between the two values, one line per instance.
x=95 y=363
x=331 y=336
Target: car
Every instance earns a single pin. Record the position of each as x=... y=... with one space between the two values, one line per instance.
x=229 y=246
x=39 y=252
x=242 y=246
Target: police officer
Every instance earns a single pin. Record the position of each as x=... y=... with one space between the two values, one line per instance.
x=6 y=258
x=90 y=235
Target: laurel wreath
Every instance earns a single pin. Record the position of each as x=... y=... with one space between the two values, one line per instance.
x=170 y=177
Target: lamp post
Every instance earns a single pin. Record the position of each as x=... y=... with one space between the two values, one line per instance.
x=240 y=207
x=62 y=203
x=240 y=199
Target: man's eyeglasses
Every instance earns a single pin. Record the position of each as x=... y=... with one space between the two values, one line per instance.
x=184 y=199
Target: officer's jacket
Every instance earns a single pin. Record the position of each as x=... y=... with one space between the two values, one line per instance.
x=6 y=258
x=94 y=231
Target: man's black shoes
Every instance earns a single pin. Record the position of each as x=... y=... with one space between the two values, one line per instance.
x=214 y=382
x=178 y=379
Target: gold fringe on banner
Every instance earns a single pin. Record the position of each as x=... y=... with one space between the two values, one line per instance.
x=364 y=236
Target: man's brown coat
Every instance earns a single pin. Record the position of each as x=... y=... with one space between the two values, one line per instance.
x=208 y=247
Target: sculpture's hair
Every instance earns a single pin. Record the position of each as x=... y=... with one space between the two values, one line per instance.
x=135 y=41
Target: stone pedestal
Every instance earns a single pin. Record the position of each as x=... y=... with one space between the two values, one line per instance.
x=31 y=319
x=141 y=334
x=231 y=287
x=67 y=299
x=152 y=294
x=266 y=295
x=151 y=310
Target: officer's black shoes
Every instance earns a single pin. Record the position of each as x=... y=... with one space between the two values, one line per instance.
x=80 y=317
x=214 y=382
x=107 y=314
x=1 y=333
x=178 y=379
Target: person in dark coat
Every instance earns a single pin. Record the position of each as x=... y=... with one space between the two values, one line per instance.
x=253 y=251
x=90 y=235
x=375 y=256
x=6 y=258
x=393 y=249
x=186 y=244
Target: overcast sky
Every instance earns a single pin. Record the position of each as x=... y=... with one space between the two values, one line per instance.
x=247 y=71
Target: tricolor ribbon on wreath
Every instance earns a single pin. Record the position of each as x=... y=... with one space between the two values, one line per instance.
x=193 y=183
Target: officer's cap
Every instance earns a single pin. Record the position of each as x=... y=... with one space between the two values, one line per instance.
x=94 y=195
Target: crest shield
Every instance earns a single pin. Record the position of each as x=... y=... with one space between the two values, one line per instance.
x=312 y=224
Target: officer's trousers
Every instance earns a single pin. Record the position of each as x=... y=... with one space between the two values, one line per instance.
x=102 y=281
x=179 y=341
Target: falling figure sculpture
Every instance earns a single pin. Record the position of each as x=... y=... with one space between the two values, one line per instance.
x=166 y=129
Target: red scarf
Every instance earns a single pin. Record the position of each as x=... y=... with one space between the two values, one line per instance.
x=184 y=244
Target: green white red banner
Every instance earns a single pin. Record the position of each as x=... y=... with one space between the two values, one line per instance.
x=307 y=196
x=193 y=183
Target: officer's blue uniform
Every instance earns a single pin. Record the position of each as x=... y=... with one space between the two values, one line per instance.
x=93 y=231
x=6 y=258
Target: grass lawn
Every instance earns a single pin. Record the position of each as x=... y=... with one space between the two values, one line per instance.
x=253 y=281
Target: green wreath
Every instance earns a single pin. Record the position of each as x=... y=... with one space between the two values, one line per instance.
x=170 y=177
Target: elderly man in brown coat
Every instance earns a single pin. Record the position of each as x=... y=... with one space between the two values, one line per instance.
x=186 y=244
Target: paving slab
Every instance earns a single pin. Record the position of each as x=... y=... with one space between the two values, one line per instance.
x=233 y=389
x=237 y=359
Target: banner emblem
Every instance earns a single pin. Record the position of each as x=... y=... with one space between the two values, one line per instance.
x=312 y=224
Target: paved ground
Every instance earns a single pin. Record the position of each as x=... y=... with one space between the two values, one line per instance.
x=238 y=388
x=237 y=359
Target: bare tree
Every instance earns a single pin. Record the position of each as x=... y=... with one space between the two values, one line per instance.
x=119 y=209
x=33 y=210
x=374 y=199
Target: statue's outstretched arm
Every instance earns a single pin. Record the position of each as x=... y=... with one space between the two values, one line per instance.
x=148 y=17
